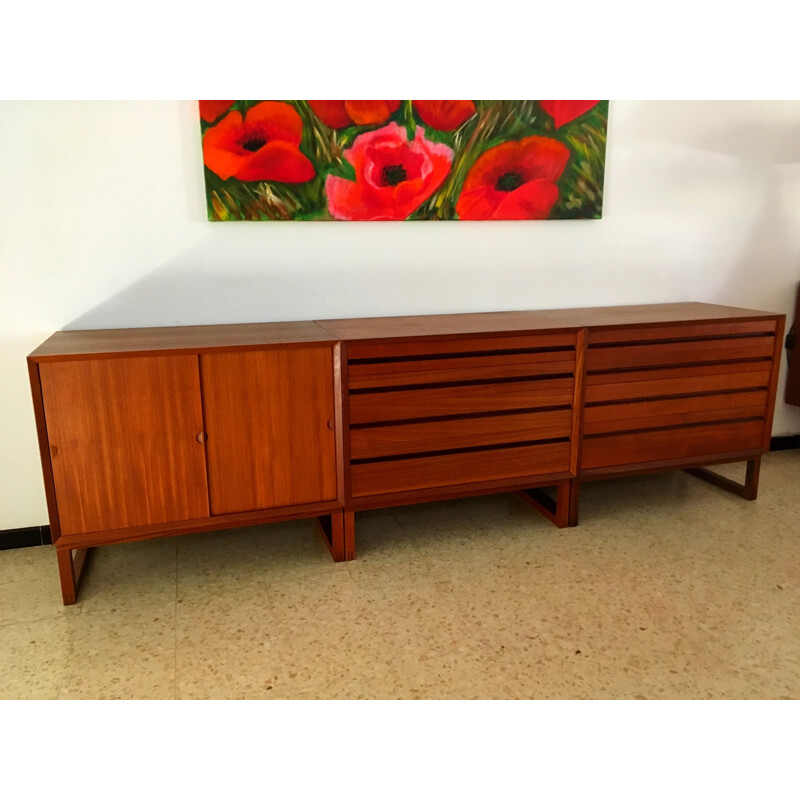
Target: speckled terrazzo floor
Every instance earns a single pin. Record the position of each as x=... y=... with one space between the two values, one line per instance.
x=669 y=588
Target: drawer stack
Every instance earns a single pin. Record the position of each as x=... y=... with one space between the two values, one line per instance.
x=674 y=392
x=433 y=413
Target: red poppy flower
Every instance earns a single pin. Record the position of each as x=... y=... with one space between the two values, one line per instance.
x=514 y=180
x=211 y=109
x=344 y=113
x=394 y=176
x=444 y=115
x=564 y=111
x=264 y=146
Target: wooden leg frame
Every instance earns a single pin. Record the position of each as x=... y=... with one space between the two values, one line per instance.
x=339 y=532
x=71 y=569
x=563 y=511
x=748 y=490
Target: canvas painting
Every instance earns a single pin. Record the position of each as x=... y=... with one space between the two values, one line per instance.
x=362 y=160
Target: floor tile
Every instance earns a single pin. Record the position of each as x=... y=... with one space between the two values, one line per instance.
x=33 y=656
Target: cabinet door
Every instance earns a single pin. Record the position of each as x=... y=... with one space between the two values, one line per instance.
x=123 y=441
x=269 y=418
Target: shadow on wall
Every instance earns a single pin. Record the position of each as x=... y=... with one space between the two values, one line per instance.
x=175 y=295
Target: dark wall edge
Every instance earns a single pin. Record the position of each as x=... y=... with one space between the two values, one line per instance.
x=25 y=537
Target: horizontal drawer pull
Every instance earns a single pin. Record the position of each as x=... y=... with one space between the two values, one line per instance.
x=662 y=445
x=646 y=355
x=383 y=477
x=481 y=344
x=640 y=389
x=680 y=331
x=476 y=399
x=420 y=437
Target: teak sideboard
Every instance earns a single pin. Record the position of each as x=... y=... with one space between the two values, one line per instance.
x=159 y=431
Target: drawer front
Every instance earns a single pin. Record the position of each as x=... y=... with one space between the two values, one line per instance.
x=612 y=417
x=654 y=383
x=663 y=445
x=408 y=474
x=451 y=412
x=460 y=399
x=700 y=351
x=446 y=347
x=449 y=434
x=676 y=392
x=452 y=369
x=697 y=330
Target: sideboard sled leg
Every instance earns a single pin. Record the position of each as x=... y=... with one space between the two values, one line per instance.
x=748 y=490
x=71 y=569
x=563 y=511
x=338 y=530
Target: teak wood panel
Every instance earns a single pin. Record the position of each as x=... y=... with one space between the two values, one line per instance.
x=451 y=400
x=122 y=436
x=690 y=352
x=453 y=370
x=675 y=411
x=652 y=386
x=674 y=443
x=399 y=475
x=661 y=373
x=270 y=423
x=192 y=338
x=681 y=331
x=419 y=437
x=377 y=350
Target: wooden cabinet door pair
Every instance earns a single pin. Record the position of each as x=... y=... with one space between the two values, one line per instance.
x=138 y=441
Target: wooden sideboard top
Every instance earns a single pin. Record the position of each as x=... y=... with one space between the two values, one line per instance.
x=71 y=344
x=187 y=337
x=508 y=321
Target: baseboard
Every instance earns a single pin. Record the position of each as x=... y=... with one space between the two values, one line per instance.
x=785 y=442
x=25 y=537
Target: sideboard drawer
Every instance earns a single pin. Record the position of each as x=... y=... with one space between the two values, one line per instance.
x=698 y=351
x=370 y=374
x=460 y=399
x=681 y=331
x=674 y=412
x=520 y=343
x=454 y=469
x=651 y=446
x=654 y=383
x=378 y=441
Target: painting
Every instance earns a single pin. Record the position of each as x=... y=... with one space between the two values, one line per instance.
x=362 y=160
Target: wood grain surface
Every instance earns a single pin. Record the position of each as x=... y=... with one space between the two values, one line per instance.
x=448 y=434
x=459 y=468
x=122 y=435
x=646 y=446
x=271 y=430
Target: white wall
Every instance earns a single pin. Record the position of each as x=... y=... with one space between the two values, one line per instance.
x=102 y=224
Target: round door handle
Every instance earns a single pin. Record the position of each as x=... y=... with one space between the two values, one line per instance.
x=53 y=450
x=330 y=424
x=202 y=437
